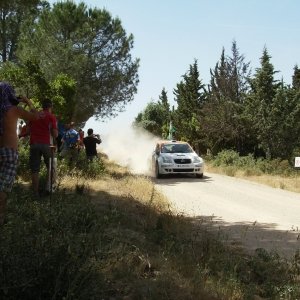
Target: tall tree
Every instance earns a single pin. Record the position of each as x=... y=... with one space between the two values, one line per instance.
x=238 y=75
x=296 y=78
x=14 y=14
x=219 y=84
x=163 y=100
x=190 y=95
x=230 y=78
x=90 y=47
x=260 y=104
x=283 y=123
x=224 y=126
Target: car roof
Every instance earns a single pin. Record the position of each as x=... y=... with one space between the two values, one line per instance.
x=171 y=142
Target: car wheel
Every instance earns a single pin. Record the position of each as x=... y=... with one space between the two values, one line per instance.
x=157 y=174
x=199 y=175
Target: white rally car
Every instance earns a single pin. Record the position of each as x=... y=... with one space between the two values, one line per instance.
x=173 y=157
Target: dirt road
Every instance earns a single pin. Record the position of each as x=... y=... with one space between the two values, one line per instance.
x=247 y=213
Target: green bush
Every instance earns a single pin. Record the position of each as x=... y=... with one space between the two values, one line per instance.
x=231 y=162
x=246 y=162
x=226 y=158
x=92 y=169
x=275 y=166
x=82 y=168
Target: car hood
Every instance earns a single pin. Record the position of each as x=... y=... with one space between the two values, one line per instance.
x=180 y=155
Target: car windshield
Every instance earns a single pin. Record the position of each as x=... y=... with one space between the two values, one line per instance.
x=176 y=148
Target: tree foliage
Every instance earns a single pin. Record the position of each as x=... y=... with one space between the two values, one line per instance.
x=156 y=116
x=296 y=78
x=91 y=48
x=15 y=14
x=224 y=126
x=152 y=118
x=255 y=115
x=190 y=95
x=260 y=102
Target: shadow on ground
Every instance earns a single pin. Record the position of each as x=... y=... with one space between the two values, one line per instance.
x=251 y=236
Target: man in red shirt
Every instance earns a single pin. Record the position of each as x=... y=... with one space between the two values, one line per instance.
x=43 y=133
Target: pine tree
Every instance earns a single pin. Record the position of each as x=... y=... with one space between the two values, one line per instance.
x=230 y=78
x=283 y=123
x=296 y=78
x=224 y=125
x=219 y=79
x=190 y=96
x=261 y=102
x=238 y=75
x=163 y=101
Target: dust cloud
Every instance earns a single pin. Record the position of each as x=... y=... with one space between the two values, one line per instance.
x=130 y=147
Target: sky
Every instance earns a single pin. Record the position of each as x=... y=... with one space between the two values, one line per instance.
x=170 y=34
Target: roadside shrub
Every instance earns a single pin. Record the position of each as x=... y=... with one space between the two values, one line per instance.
x=275 y=166
x=226 y=158
x=93 y=169
x=231 y=162
x=246 y=162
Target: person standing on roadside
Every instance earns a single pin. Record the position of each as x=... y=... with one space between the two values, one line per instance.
x=70 y=144
x=9 y=115
x=43 y=133
x=90 y=142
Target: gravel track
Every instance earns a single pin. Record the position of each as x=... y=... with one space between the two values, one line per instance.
x=248 y=214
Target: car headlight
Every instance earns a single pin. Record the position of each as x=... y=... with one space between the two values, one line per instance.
x=167 y=159
x=197 y=160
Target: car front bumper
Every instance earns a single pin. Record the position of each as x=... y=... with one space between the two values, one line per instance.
x=181 y=169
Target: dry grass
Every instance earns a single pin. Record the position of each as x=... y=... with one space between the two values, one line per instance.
x=282 y=182
x=121 y=183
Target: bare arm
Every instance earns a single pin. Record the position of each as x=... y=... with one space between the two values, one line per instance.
x=24 y=114
x=54 y=133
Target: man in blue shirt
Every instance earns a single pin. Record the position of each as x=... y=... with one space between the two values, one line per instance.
x=70 y=142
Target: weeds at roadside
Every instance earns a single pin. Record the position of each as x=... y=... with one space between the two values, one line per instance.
x=116 y=238
x=275 y=173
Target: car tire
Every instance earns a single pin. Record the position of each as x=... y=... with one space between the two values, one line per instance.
x=199 y=175
x=157 y=174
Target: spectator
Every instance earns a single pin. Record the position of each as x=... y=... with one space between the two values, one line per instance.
x=90 y=143
x=9 y=115
x=43 y=132
x=70 y=142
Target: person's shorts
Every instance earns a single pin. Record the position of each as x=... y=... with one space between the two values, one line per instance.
x=37 y=151
x=8 y=168
x=69 y=153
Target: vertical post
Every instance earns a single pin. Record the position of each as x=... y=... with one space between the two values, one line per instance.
x=51 y=169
